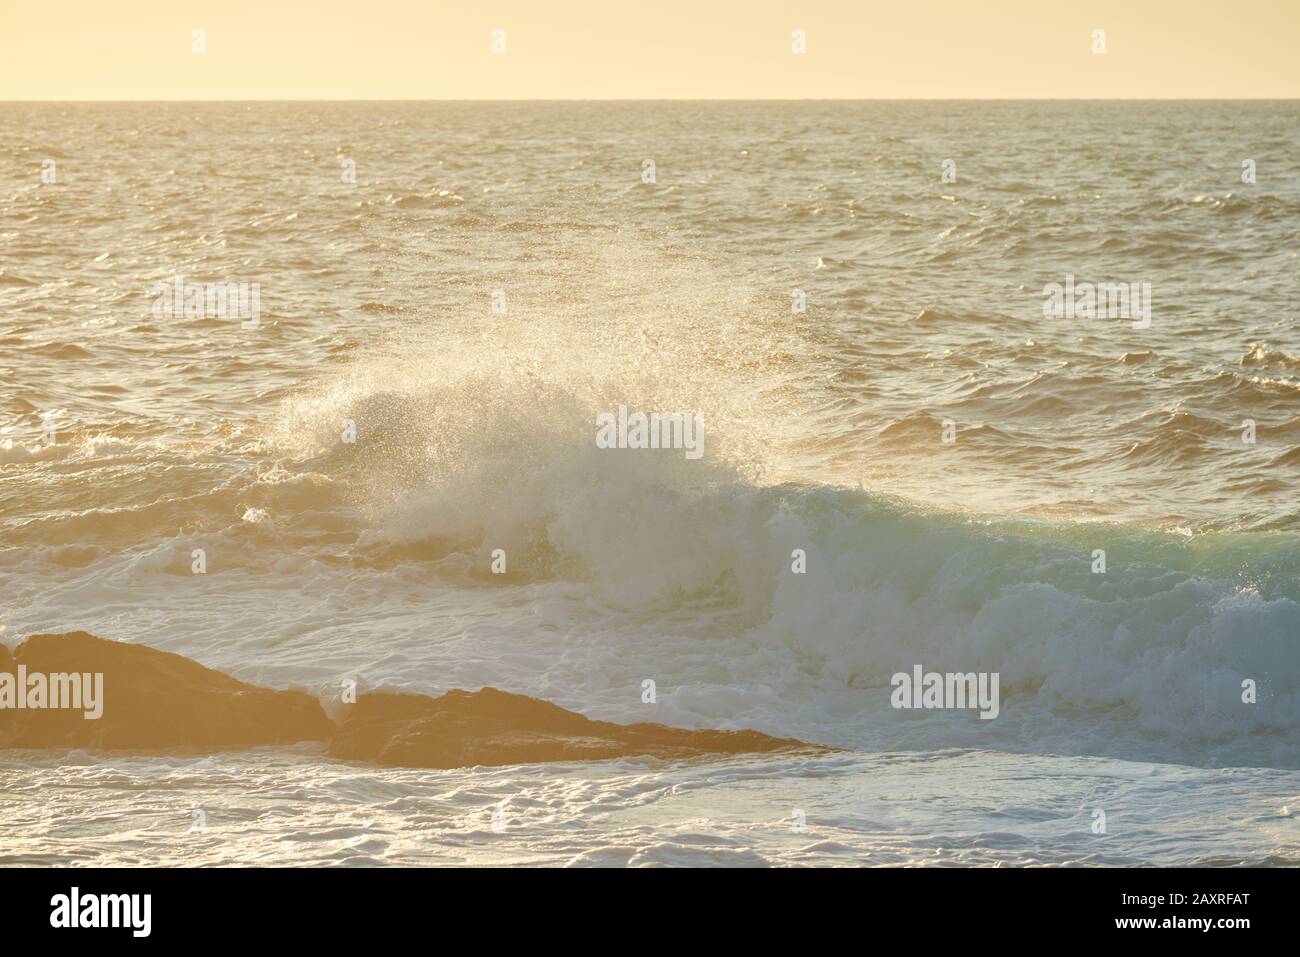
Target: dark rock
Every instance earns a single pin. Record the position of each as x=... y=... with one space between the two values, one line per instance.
x=491 y=727
x=157 y=700
x=152 y=699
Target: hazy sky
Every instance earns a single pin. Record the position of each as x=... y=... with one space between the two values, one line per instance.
x=590 y=49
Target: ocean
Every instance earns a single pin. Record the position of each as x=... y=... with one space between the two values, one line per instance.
x=365 y=451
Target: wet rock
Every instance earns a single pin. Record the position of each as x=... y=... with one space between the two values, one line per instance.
x=145 y=699
x=491 y=728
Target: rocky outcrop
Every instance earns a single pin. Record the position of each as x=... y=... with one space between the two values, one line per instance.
x=146 y=699
x=491 y=727
x=155 y=700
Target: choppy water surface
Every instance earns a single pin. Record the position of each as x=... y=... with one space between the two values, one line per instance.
x=329 y=560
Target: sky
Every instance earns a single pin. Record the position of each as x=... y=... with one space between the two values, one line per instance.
x=656 y=49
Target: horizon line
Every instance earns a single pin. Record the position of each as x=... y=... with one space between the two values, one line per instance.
x=684 y=99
